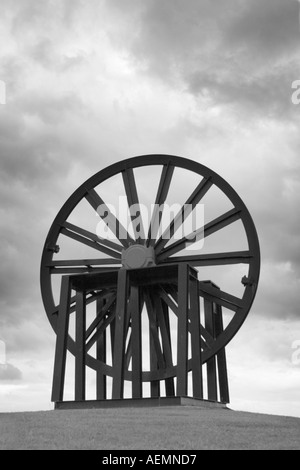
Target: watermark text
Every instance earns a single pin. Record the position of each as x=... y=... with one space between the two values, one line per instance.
x=163 y=222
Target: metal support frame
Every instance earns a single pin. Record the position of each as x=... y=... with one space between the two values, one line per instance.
x=133 y=291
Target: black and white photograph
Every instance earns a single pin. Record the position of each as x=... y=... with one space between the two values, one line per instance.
x=150 y=229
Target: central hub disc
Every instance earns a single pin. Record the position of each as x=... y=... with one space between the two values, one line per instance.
x=138 y=256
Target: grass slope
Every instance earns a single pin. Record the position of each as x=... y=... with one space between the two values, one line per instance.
x=176 y=428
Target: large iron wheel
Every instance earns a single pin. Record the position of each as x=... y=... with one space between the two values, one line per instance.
x=57 y=259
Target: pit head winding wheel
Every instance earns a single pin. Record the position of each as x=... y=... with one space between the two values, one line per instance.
x=147 y=302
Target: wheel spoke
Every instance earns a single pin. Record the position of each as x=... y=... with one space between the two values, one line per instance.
x=84 y=262
x=75 y=270
x=92 y=236
x=89 y=299
x=162 y=193
x=217 y=259
x=102 y=328
x=90 y=242
x=110 y=301
x=133 y=200
x=210 y=228
x=185 y=211
x=220 y=297
x=222 y=222
x=110 y=220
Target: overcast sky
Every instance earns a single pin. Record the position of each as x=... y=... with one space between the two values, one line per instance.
x=89 y=83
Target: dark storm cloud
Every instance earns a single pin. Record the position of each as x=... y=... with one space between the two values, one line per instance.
x=267 y=176
x=31 y=140
x=241 y=53
x=38 y=152
x=276 y=201
x=268 y=26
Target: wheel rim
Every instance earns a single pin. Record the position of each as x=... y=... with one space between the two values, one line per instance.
x=165 y=251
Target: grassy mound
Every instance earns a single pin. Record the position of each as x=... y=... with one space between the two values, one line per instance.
x=175 y=428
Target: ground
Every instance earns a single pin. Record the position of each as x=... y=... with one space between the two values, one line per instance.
x=174 y=428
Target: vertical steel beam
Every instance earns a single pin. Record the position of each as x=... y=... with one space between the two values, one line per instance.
x=196 y=339
x=221 y=359
x=80 y=359
x=154 y=385
x=162 y=193
x=170 y=386
x=156 y=355
x=212 y=387
x=61 y=341
x=164 y=325
x=136 y=342
x=120 y=333
x=182 y=341
x=101 y=381
x=112 y=338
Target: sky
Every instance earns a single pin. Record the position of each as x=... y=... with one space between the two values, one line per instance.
x=91 y=83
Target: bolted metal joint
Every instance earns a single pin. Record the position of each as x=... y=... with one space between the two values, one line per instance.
x=53 y=249
x=248 y=281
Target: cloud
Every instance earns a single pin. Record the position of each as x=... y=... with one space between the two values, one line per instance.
x=9 y=373
x=268 y=25
x=239 y=53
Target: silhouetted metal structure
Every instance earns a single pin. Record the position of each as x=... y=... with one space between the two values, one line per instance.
x=146 y=275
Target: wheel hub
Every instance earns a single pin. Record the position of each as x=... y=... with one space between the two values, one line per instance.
x=138 y=256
